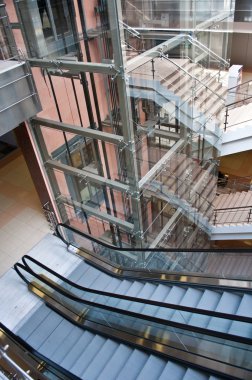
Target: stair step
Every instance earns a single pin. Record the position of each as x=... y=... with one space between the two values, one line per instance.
x=85 y=353
x=133 y=366
x=152 y=368
x=133 y=291
x=115 y=364
x=195 y=375
x=173 y=371
x=70 y=338
x=208 y=301
x=56 y=339
x=73 y=354
x=146 y=292
x=96 y=366
x=228 y=303
x=244 y=309
x=191 y=298
x=175 y=296
x=30 y=326
x=161 y=292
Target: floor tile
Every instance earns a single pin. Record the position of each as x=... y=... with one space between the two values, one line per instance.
x=22 y=222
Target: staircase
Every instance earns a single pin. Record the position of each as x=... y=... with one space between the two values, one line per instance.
x=233 y=209
x=184 y=184
x=192 y=83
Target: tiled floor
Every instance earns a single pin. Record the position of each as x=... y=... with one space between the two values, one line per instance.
x=22 y=223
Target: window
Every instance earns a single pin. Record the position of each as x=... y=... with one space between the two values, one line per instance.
x=49 y=27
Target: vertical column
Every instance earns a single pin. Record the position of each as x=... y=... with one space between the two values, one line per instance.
x=114 y=11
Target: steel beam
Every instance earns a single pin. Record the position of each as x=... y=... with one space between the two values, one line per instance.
x=94 y=178
x=86 y=132
x=166 y=134
x=148 y=55
x=123 y=224
x=158 y=166
x=77 y=67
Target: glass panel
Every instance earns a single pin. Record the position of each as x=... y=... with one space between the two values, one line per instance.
x=208 y=262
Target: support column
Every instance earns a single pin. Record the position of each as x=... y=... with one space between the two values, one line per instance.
x=114 y=12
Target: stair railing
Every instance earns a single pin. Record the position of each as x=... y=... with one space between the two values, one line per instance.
x=192 y=76
x=245 y=217
x=180 y=103
x=133 y=32
x=243 y=90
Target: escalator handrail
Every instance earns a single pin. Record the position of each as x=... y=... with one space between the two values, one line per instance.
x=161 y=321
x=184 y=277
x=188 y=309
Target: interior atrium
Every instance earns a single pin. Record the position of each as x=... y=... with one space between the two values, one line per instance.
x=125 y=189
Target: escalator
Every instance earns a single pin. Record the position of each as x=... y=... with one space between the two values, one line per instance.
x=132 y=323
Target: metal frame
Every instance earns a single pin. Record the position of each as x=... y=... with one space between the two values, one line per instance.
x=85 y=132
x=159 y=165
x=75 y=67
x=127 y=125
x=129 y=227
x=94 y=178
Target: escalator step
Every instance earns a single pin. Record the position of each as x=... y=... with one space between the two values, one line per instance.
x=173 y=371
x=115 y=363
x=133 y=366
x=82 y=354
x=152 y=368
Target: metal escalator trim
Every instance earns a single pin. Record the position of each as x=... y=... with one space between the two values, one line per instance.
x=143 y=317
x=190 y=359
x=30 y=359
x=176 y=307
x=192 y=278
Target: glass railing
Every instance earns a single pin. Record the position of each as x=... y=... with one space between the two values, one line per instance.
x=146 y=324
x=240 y=95
x=173 y=15
x=205 y=266
x=176 y=92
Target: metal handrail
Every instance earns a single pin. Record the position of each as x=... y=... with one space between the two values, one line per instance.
x=129 y=29
x=203 y=47
x=239 y=85
x=238 y=101
x=247 y=209
x=233 y=208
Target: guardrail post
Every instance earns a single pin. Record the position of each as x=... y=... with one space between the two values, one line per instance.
x=249 y=215
x=226 y=119
x=215 y=217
